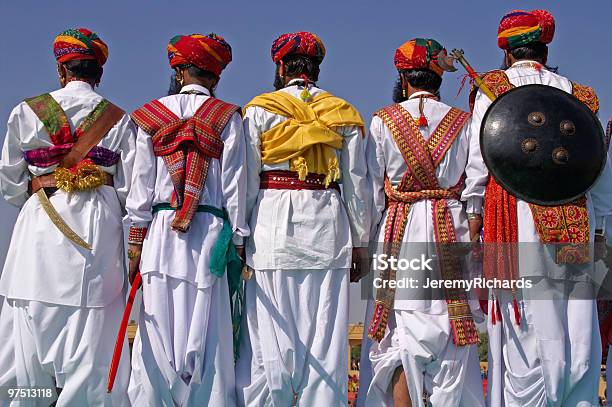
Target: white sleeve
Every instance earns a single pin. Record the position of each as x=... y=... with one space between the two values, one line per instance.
x=14 y=176
x=476 y=171
x=140 y=197
x=233 y=177
x=253 y=158
x=127 y=150
x=601 y=195
x=356 y=191
x=376 y=172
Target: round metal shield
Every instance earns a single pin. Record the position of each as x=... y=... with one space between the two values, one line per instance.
x=542 y=144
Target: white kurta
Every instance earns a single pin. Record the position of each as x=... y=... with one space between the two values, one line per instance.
x=52 y=287
x=553 y=357
x=185 y=328
x=419 y=337
x=296 y=319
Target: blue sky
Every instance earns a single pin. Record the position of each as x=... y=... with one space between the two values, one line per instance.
x=360 y=38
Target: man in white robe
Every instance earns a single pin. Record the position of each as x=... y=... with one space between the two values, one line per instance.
x=294 y=349
x=183 y=353
x=542 y=352
x=418 y=352
x=65 y=300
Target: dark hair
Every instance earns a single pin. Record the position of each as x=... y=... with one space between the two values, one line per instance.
x=295 y=66
x=175 y=86
x=535 y=51
x=421 y=79
x=199 y=73
x=87 y=69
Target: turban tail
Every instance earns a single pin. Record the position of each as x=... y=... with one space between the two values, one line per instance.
x=79 y=44
x=519 y=28
x=207 y=52
x=419 y=53
x=299 y=43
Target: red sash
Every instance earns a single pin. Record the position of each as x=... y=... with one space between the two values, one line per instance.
x=420 y=182
x=186 y=146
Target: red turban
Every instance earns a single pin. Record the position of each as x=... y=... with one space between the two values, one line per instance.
x=79 y=44
x=519 y=28
x=208 y=52
x=419 y=53
x=299 y=43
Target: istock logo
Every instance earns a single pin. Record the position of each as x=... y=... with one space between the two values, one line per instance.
x=384 y=262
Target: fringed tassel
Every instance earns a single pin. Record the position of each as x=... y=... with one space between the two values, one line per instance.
x=517 y=311
x=180 y=225
x=492 y=313
x=333 y=171
x=464 y=331
x=300 y=166
x=378 y=325
x=422 y=119
x=305 y=95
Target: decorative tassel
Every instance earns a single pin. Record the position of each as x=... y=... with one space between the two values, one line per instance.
x=305 y=95
x=493 y=319
x=333 y=172
x=378 y=325
x=422 y=119
x=517 y=312
x=299 y=165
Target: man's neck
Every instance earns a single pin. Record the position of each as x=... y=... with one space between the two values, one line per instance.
x=199 y=83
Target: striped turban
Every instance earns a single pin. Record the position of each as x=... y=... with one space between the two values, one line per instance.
x=207 y=52
x=299 y=43
x=419 y=53
x=519 y=28
x=79 y=44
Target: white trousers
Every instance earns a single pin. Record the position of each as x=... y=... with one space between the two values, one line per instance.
x=8 y=375
x=422 y=345
x=66 y=347
x=183 y=351
x=551 y=359
x=295 y=339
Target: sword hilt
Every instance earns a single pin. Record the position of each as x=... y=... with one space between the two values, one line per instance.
x=459 y=55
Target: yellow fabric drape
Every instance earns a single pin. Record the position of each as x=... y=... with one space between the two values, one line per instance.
x=307 y=139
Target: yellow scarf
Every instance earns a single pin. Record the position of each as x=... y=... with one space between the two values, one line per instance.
x=307 y=139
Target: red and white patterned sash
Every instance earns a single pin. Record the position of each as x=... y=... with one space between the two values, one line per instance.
x=420 y=182
x=186 y=146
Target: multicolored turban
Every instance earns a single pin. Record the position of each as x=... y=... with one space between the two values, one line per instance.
x=519 y=28
x=299 y=43
x=79 y=44
x=419 y=53
x=208 y=52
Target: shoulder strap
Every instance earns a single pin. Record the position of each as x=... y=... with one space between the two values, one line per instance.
x=216 y=114
x=411 y=144
x=586 y=95
x=153 y=116
x=105 y=118
x=497 y=81
x=446 y=133
x=209 y=121
x=53 y=118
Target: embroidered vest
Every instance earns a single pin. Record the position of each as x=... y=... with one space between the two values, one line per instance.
x=567 y=223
